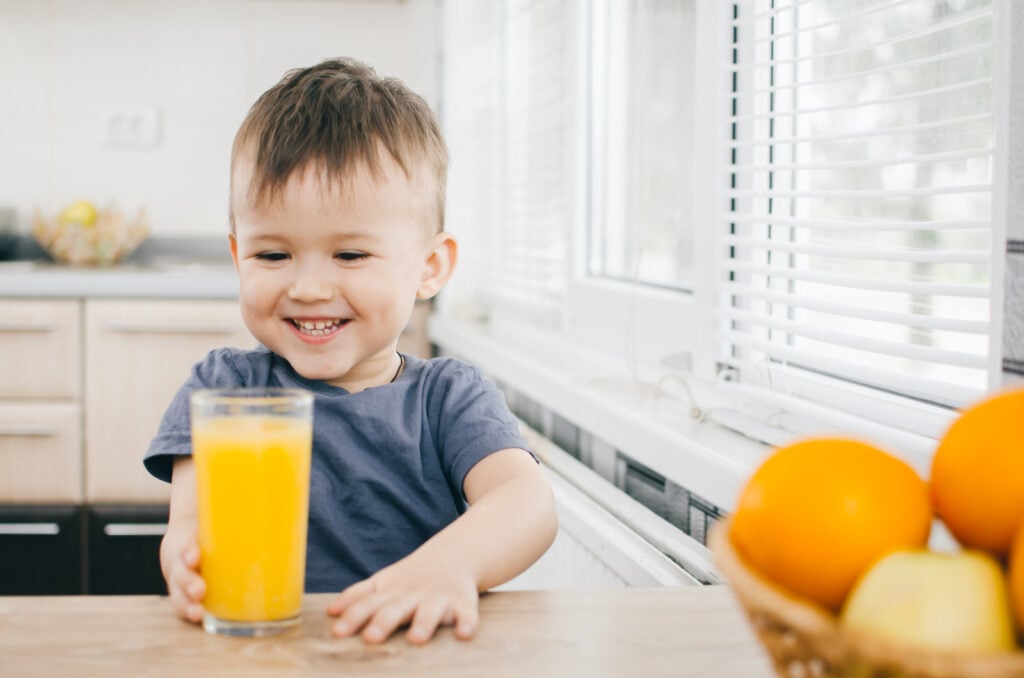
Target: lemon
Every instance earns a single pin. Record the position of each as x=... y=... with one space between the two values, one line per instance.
x=80 y=212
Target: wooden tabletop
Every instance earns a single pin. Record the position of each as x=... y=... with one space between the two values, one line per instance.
x=685 y=631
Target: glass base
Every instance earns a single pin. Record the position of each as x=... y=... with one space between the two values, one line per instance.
x=248 y=629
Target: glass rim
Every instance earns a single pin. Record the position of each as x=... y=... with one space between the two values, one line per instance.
x=251 y=395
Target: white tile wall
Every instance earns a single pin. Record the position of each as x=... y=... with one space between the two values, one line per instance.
x=200 y=63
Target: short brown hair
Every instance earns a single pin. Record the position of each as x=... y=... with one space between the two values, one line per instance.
x=336 y=115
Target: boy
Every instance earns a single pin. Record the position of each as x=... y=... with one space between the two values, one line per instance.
x=337 y=206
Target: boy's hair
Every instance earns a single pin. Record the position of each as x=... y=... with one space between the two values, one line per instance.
x=333 y=116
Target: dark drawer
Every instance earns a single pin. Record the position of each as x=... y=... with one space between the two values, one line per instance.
x=124 y=549
x=41 y=550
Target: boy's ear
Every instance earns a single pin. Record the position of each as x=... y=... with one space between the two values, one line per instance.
x=439 y=265
x=233 y=244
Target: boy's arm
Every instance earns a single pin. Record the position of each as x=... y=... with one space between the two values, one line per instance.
x=510 y=523
x=179 y=549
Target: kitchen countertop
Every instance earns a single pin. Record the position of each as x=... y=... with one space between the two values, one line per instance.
x=198 y=268
x=172 y=280
x=684 y=631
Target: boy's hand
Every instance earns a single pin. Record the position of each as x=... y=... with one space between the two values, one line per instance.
x=420 y=590
x=438 y=583
x=179 y=549
x=179 y=562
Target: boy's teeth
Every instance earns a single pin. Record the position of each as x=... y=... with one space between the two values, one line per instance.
x=316 y=327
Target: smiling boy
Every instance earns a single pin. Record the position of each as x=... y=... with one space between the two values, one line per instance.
x=422 y=493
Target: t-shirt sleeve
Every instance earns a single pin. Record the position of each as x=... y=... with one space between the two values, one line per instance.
x=174 y=437
x=473 y=421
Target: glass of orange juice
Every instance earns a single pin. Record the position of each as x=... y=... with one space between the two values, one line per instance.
x=251 y=448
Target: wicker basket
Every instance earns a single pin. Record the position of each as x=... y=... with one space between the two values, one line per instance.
x=805 y=640
x=111 y=239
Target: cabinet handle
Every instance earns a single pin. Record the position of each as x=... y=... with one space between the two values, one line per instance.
x=135 y=529
x=27 y=328
x=145 y=328
x=26 y=431
x=42 y=529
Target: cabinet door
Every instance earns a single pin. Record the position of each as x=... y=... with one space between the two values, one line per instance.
x=40 y=340
x=40 y=452
x=40 y=550
x=137 y=355
x=124 y=549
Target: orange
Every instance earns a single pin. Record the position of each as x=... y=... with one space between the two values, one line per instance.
x=1017 y=577
x=977 y=475
x=817 y=514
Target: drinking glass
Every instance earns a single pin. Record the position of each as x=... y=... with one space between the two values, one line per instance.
x=251 y=448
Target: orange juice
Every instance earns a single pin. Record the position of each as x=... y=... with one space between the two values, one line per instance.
x=252 y=482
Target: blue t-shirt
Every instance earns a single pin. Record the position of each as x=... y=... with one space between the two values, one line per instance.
x=388 y=462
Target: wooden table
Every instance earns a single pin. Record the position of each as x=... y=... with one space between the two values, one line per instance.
x=686 y=631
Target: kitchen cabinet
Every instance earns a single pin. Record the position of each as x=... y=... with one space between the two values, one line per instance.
x=137 y=354
x=41 y=538
x=40 y=410
x=65 y=550
x=124 y=549
x=40 y=452
x=41 y=550
x=40 y=341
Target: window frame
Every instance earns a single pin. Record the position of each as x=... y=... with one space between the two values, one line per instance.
x=651 y=326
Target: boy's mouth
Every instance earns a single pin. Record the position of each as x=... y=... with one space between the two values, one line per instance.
x=318 y=328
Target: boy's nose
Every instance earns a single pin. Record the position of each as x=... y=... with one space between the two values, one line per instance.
x=310 y=287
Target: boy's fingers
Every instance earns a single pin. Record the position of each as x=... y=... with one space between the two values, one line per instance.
x=428 y=616
x=178 y=600
x=185 y=589
x=191 y=555
x=194 y=613
x=185 y=607
x=188 y=582
x=467 y=619
x=388 y=618
x=356 y=614
x=350 y=595
x=196 y=588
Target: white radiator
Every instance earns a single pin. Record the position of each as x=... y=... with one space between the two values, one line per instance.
x=605 y=538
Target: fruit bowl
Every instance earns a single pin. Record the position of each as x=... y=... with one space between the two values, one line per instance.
x=82 y=235
x=804 y=639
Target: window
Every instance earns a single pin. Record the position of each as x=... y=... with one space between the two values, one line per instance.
x=792 y=197
x=857 y=243
x=642 y=118
x=508 y=83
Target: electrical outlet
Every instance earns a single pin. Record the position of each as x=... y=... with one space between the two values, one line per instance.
x=130 y=128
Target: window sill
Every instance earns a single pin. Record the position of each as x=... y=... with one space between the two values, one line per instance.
x=593 y=390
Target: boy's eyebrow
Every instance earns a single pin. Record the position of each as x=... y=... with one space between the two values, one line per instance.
x=344 y=236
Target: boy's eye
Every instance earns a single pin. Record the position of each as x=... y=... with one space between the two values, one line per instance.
x=350 y=256
x=271 y=256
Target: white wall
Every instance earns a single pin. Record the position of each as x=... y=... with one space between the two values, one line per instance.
x=200 y=63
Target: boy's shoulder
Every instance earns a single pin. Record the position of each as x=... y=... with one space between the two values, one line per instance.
x=231 y=366
x=445 y=370
x=448 y=381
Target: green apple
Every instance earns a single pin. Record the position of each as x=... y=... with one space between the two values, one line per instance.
x=941 y=601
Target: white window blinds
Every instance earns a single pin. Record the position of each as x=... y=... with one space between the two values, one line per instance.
x=856 y=240
x=507 y=75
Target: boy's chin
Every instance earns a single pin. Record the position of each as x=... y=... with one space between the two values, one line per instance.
x=318 y=371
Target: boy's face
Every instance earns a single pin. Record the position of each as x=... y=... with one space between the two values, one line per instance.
x=329 y=274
